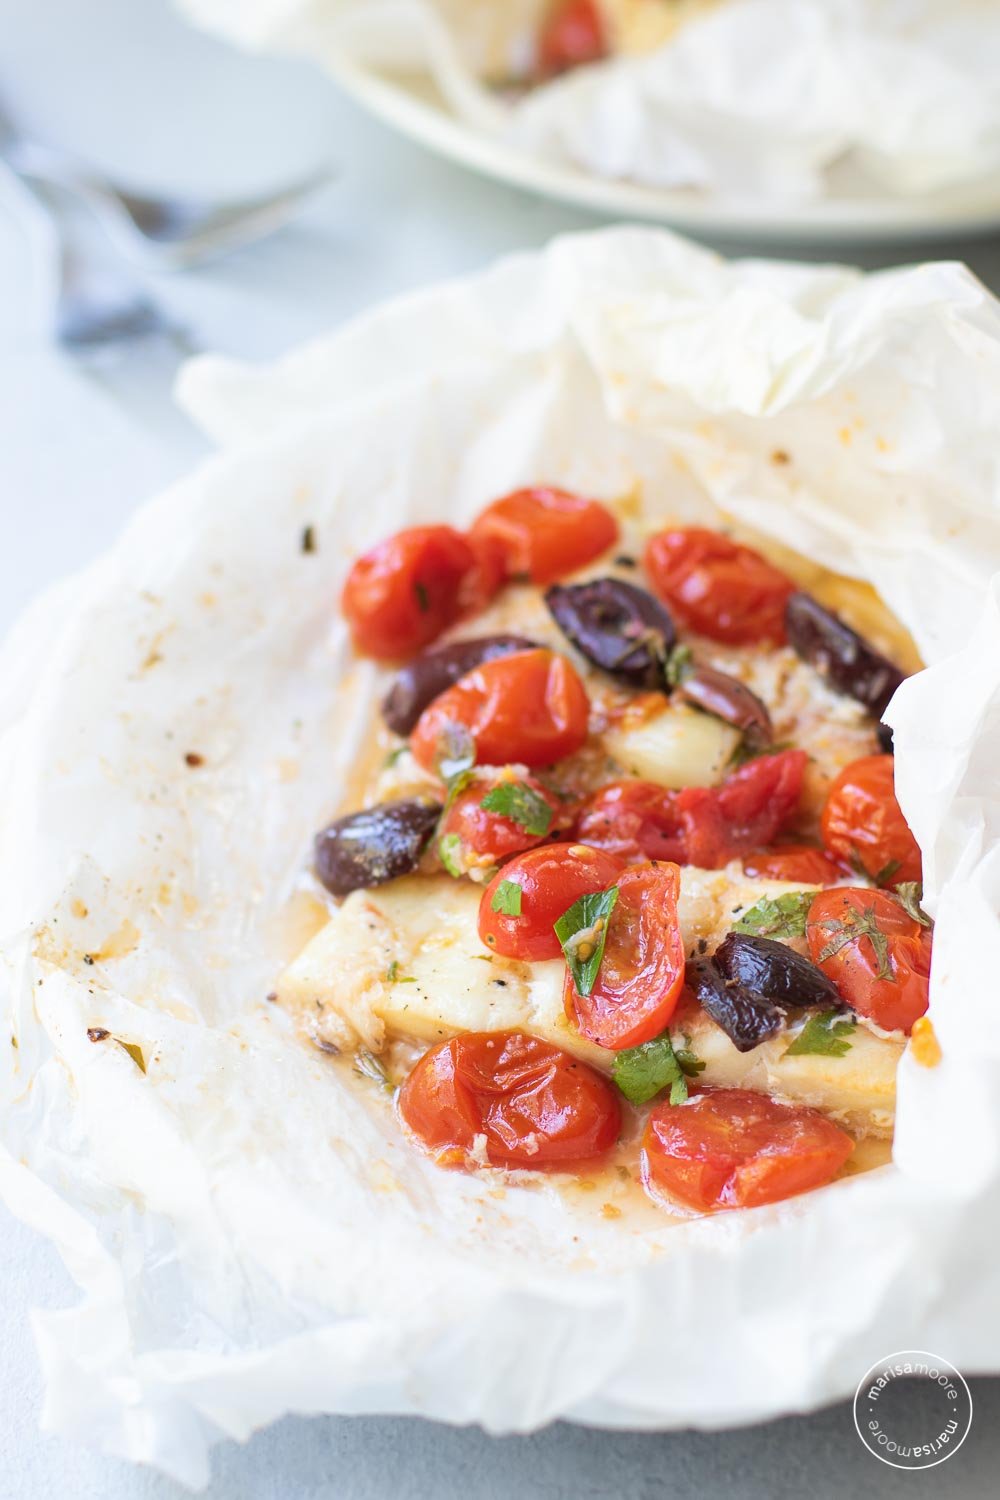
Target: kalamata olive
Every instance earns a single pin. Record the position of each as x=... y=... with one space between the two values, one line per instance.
x=729 y=699
x=884 y=736
x=618 y=627
x=774 y=971
x=842 y=657
x=375 y=845
x=746 y=1019
x=428 y=675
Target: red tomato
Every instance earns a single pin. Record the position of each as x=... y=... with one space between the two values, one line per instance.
x=877 y=955
x=635 y=819
x=863 y=824
x=800 y=863
x=550 y=880
x=529 y=707
x=749 y=809
x=546 y=533
x=536 y=1106
x=719 y=588
x=733 y=1148
x=572 y=35
x=401 y=594
x=472 y=837
x=642 y=972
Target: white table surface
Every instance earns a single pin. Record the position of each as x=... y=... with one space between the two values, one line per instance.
x=80 y=447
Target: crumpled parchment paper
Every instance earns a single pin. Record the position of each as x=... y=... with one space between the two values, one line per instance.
x=785 y=100
x=249 y=1234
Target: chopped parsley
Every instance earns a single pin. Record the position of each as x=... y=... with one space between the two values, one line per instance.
x=507 y=899
x=582 y=932
x=393 y=976
x=825 y=1035
x=678 y=664
x=781 y=917
x=908 y=895
x=851 y=929
x=643 y=1072
x=367 y=1065
x=449 y=849
x=521 y=804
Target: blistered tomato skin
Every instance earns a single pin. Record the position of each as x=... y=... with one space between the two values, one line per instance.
x=512 y=1098
x=572 y=36
x=641 y=975
x=549 y=879
x=401 y=594
x=543 y=534
x=862 y=823
x=529 y=708
x=636 y=820
x=874 y=951
x=733 y=1148
x=718 y=587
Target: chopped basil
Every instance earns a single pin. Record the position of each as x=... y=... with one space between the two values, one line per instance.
x=582 y=932
x=643 y=1072
x=783 y=917
x=520 y=803
x=908 y=895
x=507 y=899
x=825 y=1035
x=448 y=850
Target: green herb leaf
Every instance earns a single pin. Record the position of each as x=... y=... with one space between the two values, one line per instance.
x=825 y=1035
x=393 y=976
x=860 y=924
x=886 y=873
x=582 y=932
x=691 y=1065
x=783 y=917
x=449 y=849
x=393 y=756
x=908 y=895
x=507 y=898
x=520 y=803
x=745 y=753
x=678 y=664
x=134 y=1051
x=645 y=1071
x=369 y=1066
x=456 y=786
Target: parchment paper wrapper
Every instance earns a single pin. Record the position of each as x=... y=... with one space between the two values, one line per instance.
x=782 y=99
x=249 y=1233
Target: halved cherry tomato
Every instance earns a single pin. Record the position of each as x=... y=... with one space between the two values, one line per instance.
x=549 y=880
x=704 y=826
x=635 y=819
x=534 y=1105
x=877 y=955
x=749 y=809
x=546 y=533
x=401 y=594
x=800 y=863
x=642 y=972
x=718 y=587
x=529 y=707
x=862 y=822
x=733 y=1148
x=573 y=35
x=472 y=837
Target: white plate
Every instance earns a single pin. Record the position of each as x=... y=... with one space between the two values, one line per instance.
x=413 y=104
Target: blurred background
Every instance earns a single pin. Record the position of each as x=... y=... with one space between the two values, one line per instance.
x=88 y=431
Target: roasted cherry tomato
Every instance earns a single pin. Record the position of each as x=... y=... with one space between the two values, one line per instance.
x=572 y=35
x=548 y=880
x=401 y=594
x=749 y=809
x=635 y=819
x=718 y=587
x=800 y=863
x=876 y=953
x=473 y=838
x=642 y=972
x=862 y=822
x=533 y=1105
x=733 y=1148
x=530 y=708
x=545 y=533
